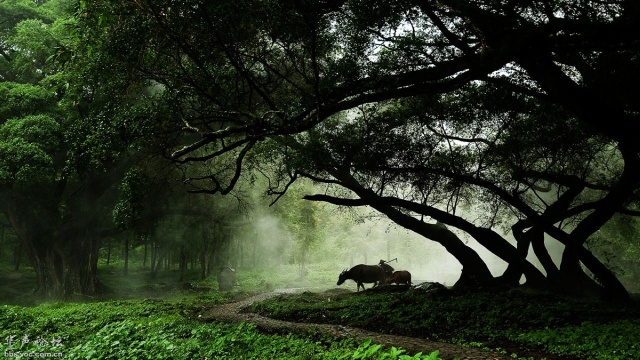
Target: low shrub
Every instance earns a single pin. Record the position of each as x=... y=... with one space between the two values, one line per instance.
x=162 y=329
x=525 y=319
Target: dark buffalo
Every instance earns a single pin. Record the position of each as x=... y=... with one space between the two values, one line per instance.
x=363 y=274
x=399 y=277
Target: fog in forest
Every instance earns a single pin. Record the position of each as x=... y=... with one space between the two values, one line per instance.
x=293 y=237
x=362 y=236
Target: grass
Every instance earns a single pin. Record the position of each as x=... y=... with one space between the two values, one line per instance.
x=156 y=318
x=162 y=329
x=524 y=321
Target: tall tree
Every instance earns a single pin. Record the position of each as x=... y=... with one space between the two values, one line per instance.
x=239 y=73
x=60 y=151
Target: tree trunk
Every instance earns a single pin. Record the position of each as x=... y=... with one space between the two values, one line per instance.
x=64 y=256
x=126 y=254
x=513 y=273
x=488 y=238
x=2 y=237
x=612 y=288
x=539 y=248
x=161 y=255
x=109 y=251
x=573 y=279
x=17 y=256
x=183 y=262
x=235 y=245
x=204 y=259
x=144 y=257
x=67 y=265
x=154 y=255
x=203 y=266
x=80 y=266
x=474 y=269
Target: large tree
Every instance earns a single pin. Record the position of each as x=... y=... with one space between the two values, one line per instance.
x=60 y=150
x=292 y=79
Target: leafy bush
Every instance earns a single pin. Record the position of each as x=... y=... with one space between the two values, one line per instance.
x=532 y=320
x=156 y=329
x=590 y=340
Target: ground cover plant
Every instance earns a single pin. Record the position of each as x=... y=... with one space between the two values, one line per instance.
x=519 y=321
x=162 y=329
x=157 y=317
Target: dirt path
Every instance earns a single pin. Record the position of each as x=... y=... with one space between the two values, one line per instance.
x=232 y=313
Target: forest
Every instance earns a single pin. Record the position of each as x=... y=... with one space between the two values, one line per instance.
x=189 y=179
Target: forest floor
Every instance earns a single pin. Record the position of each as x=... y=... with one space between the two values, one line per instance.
x=484 y=324
x=238 y=312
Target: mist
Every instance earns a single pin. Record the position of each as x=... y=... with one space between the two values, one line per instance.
x=348 y=237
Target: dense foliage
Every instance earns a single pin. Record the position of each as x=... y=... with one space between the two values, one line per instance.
x=162 y=329
x=419 y=110
x=458 y=120
x=522 y=321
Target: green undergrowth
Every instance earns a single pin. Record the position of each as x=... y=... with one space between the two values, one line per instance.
x=162 y=329
x=528 y=321
x=614 y=340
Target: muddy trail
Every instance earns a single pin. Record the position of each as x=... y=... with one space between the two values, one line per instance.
x=236 y=312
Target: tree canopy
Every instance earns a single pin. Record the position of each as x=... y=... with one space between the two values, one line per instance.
x=60 y=151
x=519 y=111
x=452 y=118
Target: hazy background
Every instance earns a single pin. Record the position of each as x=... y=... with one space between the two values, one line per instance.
x=360 y=236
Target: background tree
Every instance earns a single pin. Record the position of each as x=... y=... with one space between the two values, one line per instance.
x=61 y=153
x=304 y=220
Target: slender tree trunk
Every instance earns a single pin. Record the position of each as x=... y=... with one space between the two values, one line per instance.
x=160 y=257
x=109 y=242
x=154 y=255
x=212 y=263
x=2 y=237
x=144 y=257
x=240 y=254
x=183 y=262
x=126 y=254
x=17 y=256
x=612 y=288
x=204 y=265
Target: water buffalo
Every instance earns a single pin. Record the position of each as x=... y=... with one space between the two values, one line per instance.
x=363 y=274
x=399 y=277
